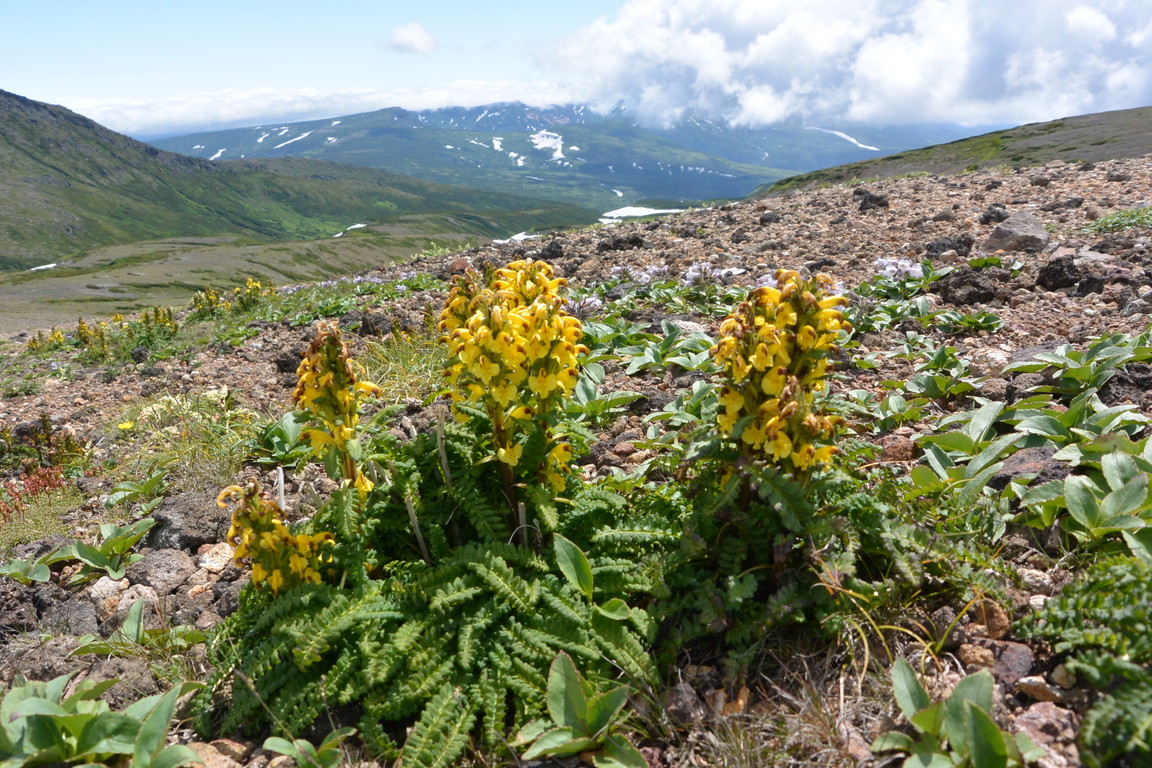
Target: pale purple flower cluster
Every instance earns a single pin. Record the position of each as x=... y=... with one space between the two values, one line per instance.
x=898 y=268
x=584 y=308
x=701 y=273
x=705 y=273
x=653 y=273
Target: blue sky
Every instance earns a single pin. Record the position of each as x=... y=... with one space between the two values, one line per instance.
x=148 y=68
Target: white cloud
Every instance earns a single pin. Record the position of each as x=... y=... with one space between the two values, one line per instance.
x=1091 y=22
x=187 y=113
x=885 y=61
x=412 y=38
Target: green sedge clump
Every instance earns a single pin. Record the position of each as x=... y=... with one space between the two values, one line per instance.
x=514 y=352
x=773 y=351
x=329 y=388
x=280 y=558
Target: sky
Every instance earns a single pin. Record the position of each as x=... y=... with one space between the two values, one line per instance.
x=151 y=68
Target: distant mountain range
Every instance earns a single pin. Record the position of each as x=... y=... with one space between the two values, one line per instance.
x=69 y=185
x=570 y=153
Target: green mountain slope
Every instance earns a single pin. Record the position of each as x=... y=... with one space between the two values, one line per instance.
x=564 y=153
x=1084 y=138
x=68 y=185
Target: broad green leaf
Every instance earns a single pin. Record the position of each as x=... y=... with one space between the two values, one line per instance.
x=132 y=630
x=618 y=752
x=1045 y=492
x=281 y=746
x=573 y=564
x=952 y=441
x=1139 y=543
x=89 y=555
x=979 y=428
x=36 y=706
x=603 y=709
x=922 y=476
x=984 y=737
x=910 y=695
x=892 y=741
x=991 y=452
x=559 y=742
x=175 y=755
x=977 y=689
x=108 y=732
x=1126 y=499
x=1044 y=424
x=615 y=609
x=1118 y=469
x=1081 y=501
x=151 y=738
x=567 y=702
x=929 y=720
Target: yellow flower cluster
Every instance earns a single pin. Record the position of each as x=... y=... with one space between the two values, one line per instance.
x=157 y=319
x=54 y=339
x=328 y=386
x=92 y=337
x=249 y=296
x=774 y=351
x=280 y=558
x=515 y=351
x=207 y=301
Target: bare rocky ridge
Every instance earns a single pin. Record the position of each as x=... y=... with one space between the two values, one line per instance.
x=1072 y=286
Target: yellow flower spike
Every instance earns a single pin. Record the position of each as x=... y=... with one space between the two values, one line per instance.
x=773 y=350
x=510 y=456
x=731 y=399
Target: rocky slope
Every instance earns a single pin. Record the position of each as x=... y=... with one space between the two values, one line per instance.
x=1070 y=285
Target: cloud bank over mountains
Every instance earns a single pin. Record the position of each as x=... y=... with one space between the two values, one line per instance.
x=753 y=62
x=876 y=61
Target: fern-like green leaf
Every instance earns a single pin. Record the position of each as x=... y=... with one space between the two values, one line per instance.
x=441 y=733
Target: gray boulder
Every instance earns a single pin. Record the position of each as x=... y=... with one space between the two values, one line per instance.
x=1019 y=232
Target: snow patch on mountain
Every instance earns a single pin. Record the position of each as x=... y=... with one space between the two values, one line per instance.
x=842 y=135
x=547 y=140
x=304 y=135
x=630 y=211
x=218 y=153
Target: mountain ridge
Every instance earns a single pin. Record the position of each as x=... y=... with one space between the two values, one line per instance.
x=71 y=185
x=566 y=152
